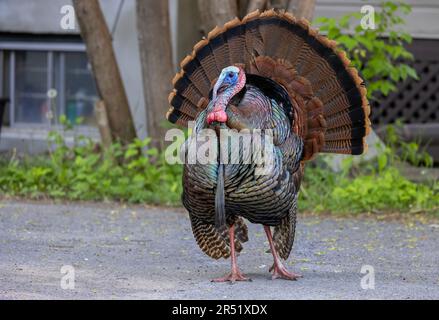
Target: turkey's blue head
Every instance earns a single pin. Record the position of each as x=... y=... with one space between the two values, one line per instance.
x=231 y=81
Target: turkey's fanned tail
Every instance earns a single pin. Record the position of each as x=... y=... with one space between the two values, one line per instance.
x=330 y=106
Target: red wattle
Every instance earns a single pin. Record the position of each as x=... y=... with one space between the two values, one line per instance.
x=217 y=115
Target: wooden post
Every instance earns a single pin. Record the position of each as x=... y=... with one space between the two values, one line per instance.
x=97 y=38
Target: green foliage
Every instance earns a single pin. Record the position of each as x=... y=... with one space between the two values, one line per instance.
x=410 y=152
x=379 y=54
x=374 y=186
x=85 y=172
x=139 y=174
x=378 y=191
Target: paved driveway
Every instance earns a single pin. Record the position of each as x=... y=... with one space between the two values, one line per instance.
x=149 y=253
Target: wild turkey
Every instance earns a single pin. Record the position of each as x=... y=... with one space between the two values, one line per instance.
x=266 y=71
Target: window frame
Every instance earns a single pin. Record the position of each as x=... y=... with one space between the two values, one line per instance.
x=51 y=49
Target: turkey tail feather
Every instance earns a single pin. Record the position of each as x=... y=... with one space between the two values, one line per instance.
x=216 y=242
x=331 y=111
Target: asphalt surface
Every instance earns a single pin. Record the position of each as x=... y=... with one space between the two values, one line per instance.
x=149 y=253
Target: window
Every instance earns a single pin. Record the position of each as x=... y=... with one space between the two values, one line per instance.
x=46 y=81
x=31 y=103
x=80 y=92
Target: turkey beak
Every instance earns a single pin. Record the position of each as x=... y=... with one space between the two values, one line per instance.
x=216 y=89
x=222 y=87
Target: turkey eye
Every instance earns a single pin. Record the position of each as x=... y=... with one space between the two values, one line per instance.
x=230 y=75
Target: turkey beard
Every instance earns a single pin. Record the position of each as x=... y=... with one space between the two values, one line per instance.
x=220 y=201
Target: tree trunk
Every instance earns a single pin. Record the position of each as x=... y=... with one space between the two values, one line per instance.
x=256 y=4
x=96 y=36
x=302 y=8
x=216 y=13
x=279 y=4
x=103 y=124
x=156 y=58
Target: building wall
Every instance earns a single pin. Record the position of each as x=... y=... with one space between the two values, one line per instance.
x=32 y=16
x=43 y=17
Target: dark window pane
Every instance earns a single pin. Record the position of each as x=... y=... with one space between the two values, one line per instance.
x=55 y=94
x=31 y=87
x=80 y=90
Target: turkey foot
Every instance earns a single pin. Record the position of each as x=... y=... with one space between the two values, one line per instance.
x=235 y=275
x=232 y=277
x=279 y=271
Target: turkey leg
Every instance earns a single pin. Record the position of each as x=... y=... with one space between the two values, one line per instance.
x=279 y=271
x=235 y=275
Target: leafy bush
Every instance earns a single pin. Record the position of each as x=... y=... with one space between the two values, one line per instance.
x=85 y=172
x=383 y=191
x=374 y=186
x=410 y=152
x=379 y=53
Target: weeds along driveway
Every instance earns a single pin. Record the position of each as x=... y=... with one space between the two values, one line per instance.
x=149 y=253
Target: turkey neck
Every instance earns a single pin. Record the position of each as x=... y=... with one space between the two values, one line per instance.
x=222 y=99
